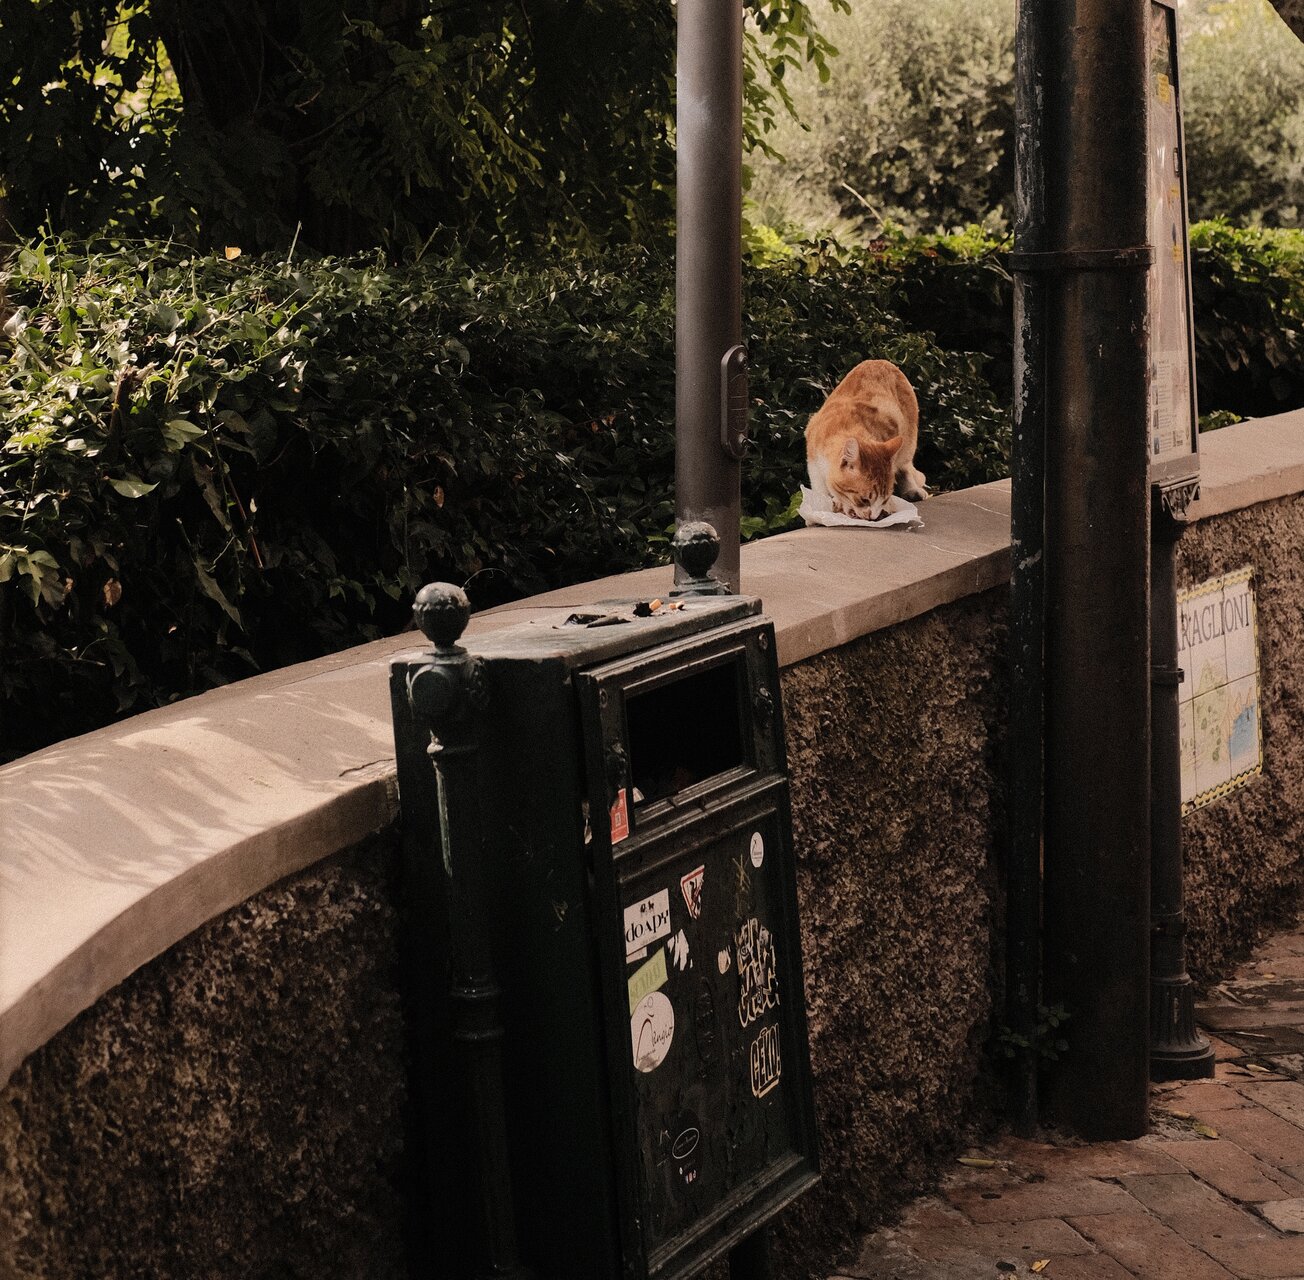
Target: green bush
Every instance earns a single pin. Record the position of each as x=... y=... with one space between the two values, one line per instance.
x=911 y=127
x=216 y=467
x=1249 y=309
x=212 y=468
x=1243 y=106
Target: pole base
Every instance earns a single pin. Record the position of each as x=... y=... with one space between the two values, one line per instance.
x=1177 y=1049
x=1194 y=1063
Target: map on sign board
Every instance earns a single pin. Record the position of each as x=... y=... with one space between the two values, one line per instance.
x=1218 y=651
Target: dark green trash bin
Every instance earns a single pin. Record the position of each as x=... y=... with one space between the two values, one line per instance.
x=638 y=842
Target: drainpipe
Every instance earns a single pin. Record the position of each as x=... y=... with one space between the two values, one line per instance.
x=1097 y=755
x=1027 y=570
x=710 y=363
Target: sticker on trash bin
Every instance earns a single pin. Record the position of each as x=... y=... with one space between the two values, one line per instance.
x=646 y=979
x=685 y=1149
x=652 y=1028
x=758 y=849
x=766 y=1064
x=758 y=984
x=691 y=884
x=620 y=818
x=646 y=922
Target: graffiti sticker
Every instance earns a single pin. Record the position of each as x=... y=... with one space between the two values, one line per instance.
x=766 y=1064
x=758 y=980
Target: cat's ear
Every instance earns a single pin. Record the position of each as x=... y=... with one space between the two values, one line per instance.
x=850 y=452
x=890 y=447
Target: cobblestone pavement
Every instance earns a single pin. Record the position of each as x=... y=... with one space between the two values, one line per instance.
x=1214 y=1192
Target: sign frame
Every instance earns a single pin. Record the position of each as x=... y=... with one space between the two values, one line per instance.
x=1176 y=470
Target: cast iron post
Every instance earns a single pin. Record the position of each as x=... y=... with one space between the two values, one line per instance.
x=447 y=696
x=1177 y=1049
x=710 y=364
x=1097 y=759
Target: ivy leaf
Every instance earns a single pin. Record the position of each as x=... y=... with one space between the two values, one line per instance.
x=133 y=487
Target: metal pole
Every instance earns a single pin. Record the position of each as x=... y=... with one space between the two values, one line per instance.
x=1177 y=1049
x=708 y=273
x=448 y=696
x=1027 y=569
x=1097 y=807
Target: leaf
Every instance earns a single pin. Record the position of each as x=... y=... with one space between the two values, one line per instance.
x=1205 y=1131
x=1040 y=1265
x=215 y=593
x=133 y=487
x=178 y=433
x=232 y=252
x=976 y=1162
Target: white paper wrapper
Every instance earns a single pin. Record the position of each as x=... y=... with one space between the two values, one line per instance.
x=818 y=509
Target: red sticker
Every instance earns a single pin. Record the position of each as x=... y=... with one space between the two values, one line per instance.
x=691 y=885
x=619 y=818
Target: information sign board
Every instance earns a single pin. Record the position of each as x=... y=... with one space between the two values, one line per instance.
x=1174 y=432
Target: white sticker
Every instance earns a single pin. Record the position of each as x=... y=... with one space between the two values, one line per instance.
x=723 y=960
x=766 y=1062
x=677 y=949
x=758 y=849
x=646 y=922
x=652 y=1028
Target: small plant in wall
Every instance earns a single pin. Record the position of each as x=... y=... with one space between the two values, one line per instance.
x=1046 y=1040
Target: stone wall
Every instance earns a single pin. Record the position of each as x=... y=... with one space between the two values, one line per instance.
x=1245 y=853
x=234 y=1108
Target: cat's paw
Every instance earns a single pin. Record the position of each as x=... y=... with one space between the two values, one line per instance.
x=912 y=485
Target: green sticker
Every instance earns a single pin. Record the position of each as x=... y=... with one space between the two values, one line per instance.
x=648 y=978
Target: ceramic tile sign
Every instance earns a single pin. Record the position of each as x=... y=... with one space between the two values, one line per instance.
x=1218 y=651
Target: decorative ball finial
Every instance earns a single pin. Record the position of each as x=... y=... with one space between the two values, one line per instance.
x=442 y=611
x=696 y=546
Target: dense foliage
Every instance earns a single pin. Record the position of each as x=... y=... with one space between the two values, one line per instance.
x=214 y=467
x=349 y=124
x=1243 y=72
x=914 y=128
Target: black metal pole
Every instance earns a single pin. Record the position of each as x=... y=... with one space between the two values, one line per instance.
x=1027 y=570
x=708 y=272
x=447 y=695
x=1097 y=806
x=1177 y=1049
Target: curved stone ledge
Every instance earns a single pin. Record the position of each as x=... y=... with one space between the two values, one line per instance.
x=115 y=845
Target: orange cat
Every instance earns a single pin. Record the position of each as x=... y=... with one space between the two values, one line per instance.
x=864 y=438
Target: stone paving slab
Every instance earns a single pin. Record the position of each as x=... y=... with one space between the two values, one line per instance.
x=1214 y=1192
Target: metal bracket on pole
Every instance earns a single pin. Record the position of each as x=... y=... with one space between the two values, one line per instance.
x=1137 y=257
x=733 y=402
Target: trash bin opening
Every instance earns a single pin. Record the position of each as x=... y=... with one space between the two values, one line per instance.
x=685 y=731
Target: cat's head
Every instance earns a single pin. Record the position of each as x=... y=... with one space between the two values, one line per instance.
x=861 y=482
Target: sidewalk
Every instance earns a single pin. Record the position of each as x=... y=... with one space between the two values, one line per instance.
x=1214 y=1192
